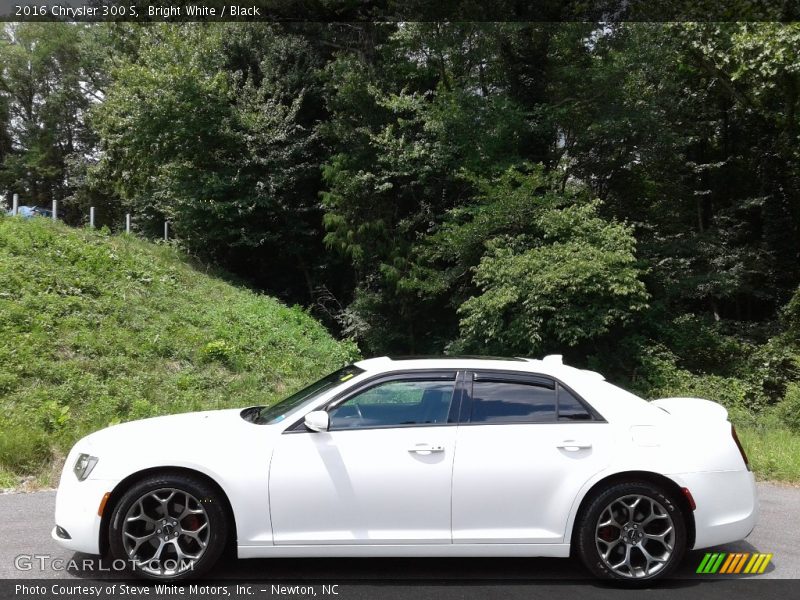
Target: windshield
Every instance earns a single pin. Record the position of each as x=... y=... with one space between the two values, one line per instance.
x=277 y=412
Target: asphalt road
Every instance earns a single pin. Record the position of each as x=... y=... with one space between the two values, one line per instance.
x=26 y=521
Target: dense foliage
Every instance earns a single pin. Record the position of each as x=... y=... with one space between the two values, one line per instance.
x=627 y=195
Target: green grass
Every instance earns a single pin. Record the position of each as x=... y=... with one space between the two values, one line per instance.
x=7 y=480
x=774 y=452
x=96 y=329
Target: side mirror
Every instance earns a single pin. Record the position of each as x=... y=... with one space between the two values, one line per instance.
x=317 y=420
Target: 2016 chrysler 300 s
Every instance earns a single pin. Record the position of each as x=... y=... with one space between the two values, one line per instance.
x=417 y=457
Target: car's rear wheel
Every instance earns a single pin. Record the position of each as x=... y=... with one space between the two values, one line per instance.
x=169 y=527
x=632 y=532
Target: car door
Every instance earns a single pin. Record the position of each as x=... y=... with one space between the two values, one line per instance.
x=382 y=472
x=526 y=446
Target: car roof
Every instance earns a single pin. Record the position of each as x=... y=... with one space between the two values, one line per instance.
x=611 y=401
x=549 y=365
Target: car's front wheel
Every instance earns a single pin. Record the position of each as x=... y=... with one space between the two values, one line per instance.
x=169 y=527
x=632 y=532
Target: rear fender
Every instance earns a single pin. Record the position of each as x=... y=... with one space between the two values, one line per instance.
x=697 y=436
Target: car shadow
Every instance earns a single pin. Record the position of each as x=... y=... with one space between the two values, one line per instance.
x=414 y=571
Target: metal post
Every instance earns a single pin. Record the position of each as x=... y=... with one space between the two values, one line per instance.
x=128 y=223
x=166 y=231
x=15 y=205
x=55 y=210
x=91 y=216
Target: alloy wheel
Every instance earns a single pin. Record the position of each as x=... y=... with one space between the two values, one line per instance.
x=635 y=536
x=165 y=532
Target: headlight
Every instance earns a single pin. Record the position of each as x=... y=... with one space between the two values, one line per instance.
x=83 y=466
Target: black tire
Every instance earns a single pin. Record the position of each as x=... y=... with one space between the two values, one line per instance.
x=590 y=537
x=202 y=544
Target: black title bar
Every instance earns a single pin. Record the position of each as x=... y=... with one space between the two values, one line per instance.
x=401 y=10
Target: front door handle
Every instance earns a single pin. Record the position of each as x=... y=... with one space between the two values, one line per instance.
x=426 y=449
x=573 y=445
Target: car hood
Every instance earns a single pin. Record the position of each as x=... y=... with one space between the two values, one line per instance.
x=166 y=427
x=197 y=439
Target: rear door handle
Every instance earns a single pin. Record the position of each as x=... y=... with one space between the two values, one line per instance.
x=573 y=445
x=426 y=449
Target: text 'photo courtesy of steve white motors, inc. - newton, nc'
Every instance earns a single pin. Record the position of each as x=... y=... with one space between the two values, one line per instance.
x=192 y=590
x=163 y=11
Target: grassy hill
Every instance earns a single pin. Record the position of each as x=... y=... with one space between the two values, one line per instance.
x=97 y=329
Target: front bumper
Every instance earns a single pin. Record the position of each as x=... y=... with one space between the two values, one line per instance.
x=77 y=503
x=727 y=505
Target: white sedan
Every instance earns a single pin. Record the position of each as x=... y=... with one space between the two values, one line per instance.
x=417 y=457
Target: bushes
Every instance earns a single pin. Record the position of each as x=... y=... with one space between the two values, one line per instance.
x=698 y=345
x=660 y=377
x=570 y=287
x=791 y=319
x=696 y=357
x=772 y=368
x=789 y=410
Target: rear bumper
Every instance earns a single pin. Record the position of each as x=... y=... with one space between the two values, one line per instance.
x=727 y=505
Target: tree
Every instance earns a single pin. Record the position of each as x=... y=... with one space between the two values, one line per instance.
x=674 y=143
x=44 y=97
x=550 y=273
x=205 y=127
x=5 y=137
x=407 y=138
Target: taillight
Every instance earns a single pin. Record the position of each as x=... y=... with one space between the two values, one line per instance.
x=689 y=498
x=739 y=446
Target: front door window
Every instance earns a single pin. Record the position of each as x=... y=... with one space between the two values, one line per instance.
x=395 y=404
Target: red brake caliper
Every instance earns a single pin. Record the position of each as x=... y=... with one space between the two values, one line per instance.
x=608 y=533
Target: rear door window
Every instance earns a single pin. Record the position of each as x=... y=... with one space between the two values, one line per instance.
x=496 y=400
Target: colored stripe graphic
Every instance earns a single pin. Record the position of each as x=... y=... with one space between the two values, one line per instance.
x=740 y=564
x=715 y=568
x=703 y=563
x=757 y=566
x=733 y=563
x=764 y=564
x=727 y=564
x=711 y=562
x=752 y=563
